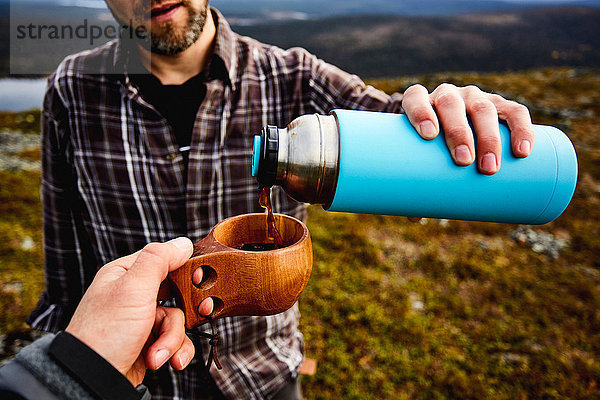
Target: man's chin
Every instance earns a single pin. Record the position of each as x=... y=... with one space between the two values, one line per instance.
x=171 y=46
x=175 y=35
x=166 y=51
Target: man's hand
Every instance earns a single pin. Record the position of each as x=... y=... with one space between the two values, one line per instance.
x=453 y=107
x=119 y=319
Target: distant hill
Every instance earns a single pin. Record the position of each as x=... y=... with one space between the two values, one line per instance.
x=276 y=9
x=378 y=46
x=382 y=46
x=269 y=9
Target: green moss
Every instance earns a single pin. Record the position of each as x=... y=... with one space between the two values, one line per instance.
x=26 y=121
x=21 y=253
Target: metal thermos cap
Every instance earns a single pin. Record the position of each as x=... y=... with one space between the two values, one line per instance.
x=302 y=158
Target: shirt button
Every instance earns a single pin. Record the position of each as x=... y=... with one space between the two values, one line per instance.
x=171 y=156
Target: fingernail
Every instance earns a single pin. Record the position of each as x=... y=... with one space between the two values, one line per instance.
x=161 y=357
x=197 y=276
x=525 y=147
x=462 y=154
x=184 y=359
x=428 y=129
x=206 y=307
x=182 y=243
x=488 y=162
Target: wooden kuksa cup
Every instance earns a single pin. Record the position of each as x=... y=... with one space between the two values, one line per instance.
x=245 y=282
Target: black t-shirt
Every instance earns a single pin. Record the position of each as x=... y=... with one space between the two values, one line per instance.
x=178 y=104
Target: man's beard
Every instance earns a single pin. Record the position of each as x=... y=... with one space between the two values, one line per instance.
x=171 y=39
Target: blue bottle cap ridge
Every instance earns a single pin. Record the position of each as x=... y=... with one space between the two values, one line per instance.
x=256 y=155
x=266 y=170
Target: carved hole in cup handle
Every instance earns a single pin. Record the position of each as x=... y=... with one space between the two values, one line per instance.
x=218 y=306
x=209 y=278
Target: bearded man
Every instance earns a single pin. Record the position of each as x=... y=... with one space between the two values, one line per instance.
x=131 y=158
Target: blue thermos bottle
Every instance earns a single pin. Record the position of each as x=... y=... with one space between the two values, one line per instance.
x=376 y=163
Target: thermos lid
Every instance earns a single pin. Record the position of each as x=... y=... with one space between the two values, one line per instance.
x=264 y=156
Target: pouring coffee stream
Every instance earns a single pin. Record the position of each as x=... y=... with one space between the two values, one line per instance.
x=273 y=235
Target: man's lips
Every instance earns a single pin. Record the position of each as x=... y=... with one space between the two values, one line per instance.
x=164 y=10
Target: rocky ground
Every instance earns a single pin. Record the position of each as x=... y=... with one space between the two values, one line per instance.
x=18 y=152
x=14 y=150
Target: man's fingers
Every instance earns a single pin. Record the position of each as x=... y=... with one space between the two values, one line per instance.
x=451 y=111
x=124 y=262
x=484 y=117
x=453 y=107
x=418 y=109
x=184 y=355
x=206 y=307
x=519 y=122
x=185 y=248
x=169 y=328
x=157 y=259
x=197 y=276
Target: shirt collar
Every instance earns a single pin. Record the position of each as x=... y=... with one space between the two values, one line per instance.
x=225 y=49
x=225 y=45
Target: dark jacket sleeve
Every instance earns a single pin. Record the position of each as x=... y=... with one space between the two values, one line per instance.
x=17 y=383
x=51 y=368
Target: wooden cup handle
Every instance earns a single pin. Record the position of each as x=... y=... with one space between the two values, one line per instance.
x=244 y=282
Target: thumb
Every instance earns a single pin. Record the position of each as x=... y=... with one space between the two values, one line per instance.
x=156 y=260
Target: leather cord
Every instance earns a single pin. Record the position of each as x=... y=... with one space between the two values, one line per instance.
x=213 y=340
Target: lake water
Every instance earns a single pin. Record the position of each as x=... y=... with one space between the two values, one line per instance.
x=21 y=94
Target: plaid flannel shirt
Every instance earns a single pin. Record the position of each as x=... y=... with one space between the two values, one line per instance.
x=113 y=181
